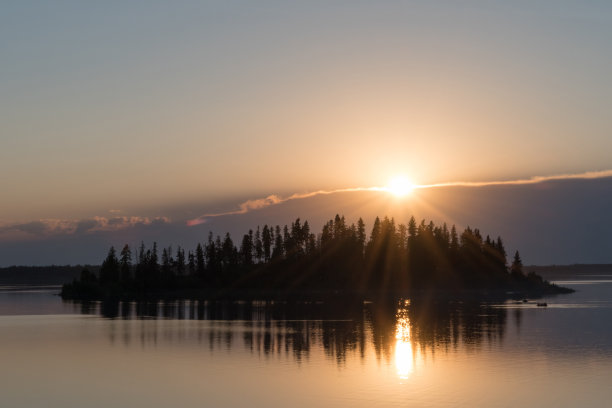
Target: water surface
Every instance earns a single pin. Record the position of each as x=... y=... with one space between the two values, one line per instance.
x=420 y=353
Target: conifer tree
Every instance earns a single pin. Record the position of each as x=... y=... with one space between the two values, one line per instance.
x=277 y=252
x=266 y=239
x=166 y=264
x=259 y=251
x=412 y=228
x=191 y=263
x=180 y=261
x=109 y=271
x=154 y=258
x=361 y=235
x=516 y=269
x=229 y=253
x=246 y=250
x=125 y=263
x=199 y=258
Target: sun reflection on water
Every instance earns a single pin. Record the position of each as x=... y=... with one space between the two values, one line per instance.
x=404 y=357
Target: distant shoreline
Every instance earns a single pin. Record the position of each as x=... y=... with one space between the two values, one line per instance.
x=556 y=272
x=42 y=275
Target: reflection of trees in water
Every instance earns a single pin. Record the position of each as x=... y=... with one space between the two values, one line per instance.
x=436 y=326
x=294 y=329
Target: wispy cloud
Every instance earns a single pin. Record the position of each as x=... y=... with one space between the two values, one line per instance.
x=256 y=204
x=532 y=180
x=259 y=203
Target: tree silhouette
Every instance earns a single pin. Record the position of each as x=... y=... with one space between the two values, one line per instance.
x=109 y=272
x=266 y=240
x=394 y=259
x=259 y=249
x=180 y=261
x=199 y=259
x=516 y=270
x=126 y=263
x=191 y=263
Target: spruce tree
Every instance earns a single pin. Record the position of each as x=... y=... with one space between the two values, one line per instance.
x=199 y=260
x=191 y=263
x=259 y=251
x=126 y=263
x=109 y=272
x=266 y=240
x=180 y=261
x=516 y=269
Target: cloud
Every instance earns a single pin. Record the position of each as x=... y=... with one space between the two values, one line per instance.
x=34 y=227
x=259 y=203
x=117 y=223
x=243 y=208
x=44 y=226
x=85 y=225
x=48 y=227
x=533 y=180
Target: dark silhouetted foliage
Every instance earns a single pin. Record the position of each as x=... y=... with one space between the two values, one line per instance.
x=395 y=259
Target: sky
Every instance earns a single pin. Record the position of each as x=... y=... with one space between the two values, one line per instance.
x=118 y=116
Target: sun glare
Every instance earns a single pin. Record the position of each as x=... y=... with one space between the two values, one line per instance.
x=400 y=186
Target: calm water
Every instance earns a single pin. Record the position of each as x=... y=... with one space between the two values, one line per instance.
x=413 y=353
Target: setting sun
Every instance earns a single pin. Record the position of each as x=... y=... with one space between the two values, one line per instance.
x=399 y=186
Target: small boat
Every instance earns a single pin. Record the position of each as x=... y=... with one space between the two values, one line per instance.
x=542 y=304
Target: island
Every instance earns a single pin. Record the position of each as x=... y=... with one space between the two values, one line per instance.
x=293 y=262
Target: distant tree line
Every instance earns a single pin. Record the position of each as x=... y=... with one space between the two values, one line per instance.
x=391 y=259
x=41 y=275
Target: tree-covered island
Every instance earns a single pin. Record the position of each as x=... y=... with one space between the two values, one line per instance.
x=341 y=260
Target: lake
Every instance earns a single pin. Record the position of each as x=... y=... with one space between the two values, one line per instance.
x=416 y=352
